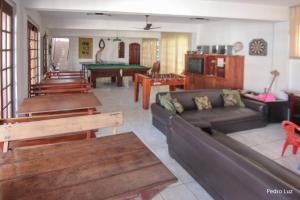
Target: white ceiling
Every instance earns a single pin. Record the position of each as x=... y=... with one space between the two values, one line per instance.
x=120 y=17
x=265 y=2
x=167 y=10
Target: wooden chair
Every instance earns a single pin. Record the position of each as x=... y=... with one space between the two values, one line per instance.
x=291 y=137
x=155 y=68
x=294 y=106
x=48 y=129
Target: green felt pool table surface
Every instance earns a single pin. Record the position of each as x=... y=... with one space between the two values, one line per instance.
x=113 y=66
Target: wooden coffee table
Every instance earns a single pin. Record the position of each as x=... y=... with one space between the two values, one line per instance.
x=59 y=103
x=112 y=167
x=147 y=81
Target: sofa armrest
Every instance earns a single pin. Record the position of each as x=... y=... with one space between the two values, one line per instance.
x=256 y=105
x=160 y=112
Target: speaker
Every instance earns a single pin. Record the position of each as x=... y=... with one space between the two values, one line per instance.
x=203 y=49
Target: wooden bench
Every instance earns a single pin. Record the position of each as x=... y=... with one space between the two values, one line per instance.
x=65 y=74
x=65 y=88
x=55 y=128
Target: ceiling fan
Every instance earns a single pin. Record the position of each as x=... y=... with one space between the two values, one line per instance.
x=148 y=26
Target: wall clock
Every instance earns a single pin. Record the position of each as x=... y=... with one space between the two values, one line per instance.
x=258 y=47
x=238 y=46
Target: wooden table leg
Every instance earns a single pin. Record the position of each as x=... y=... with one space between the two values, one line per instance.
x=136 y=89
x=89 y=133
x=146 y=93
x=93 y=79
x=186 y=85
x=119 y=81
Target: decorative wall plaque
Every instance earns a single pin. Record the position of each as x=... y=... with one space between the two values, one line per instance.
x=85 y=48
x=258 y=47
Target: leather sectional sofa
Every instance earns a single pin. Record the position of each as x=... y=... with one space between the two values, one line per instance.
x=224 y=119
x=227 y=169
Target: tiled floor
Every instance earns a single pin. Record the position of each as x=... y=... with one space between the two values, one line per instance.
x=266 y=140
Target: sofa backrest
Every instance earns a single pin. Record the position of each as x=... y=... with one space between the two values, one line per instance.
x=228 y=174
x=186 y=98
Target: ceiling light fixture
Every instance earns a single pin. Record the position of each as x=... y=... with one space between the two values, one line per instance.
x=99 y=14
x=199 y=18
x=117 y=39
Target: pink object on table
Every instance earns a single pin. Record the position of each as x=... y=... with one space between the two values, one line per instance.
x=267 y=97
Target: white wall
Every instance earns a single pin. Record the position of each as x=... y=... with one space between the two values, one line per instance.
x=294 y=74
x=257 y=68
x=110 y=52
x=97 y=29
x=21 y=71
x=281 y=58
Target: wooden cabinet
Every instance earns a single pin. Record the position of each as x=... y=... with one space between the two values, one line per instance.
x=294 y=106
x=215 y=71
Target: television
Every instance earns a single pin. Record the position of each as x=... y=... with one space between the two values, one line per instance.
x=195 y=65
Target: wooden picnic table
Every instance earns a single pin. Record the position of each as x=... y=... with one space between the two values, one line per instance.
x=58 y=103
x=112 y=167
x=62 y=81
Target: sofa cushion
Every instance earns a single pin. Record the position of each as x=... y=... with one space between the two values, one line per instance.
x=166 y=102
x=229 y=100
x=220 y=115
x=202 y=103
x=236 y=95
x=187 y=98
x=178 y=106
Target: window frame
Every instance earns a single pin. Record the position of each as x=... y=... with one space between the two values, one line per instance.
x=37 y=68
x=7 y=100
x=45 y=53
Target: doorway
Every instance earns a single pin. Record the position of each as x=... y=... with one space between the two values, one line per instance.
x=134 y=54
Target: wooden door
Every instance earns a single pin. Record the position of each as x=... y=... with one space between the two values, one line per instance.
x=134 y=54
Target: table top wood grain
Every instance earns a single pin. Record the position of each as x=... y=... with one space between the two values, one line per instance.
x=59 y=102
x=62 y=81
x=111 y=167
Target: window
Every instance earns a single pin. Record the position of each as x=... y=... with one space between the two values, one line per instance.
x=157 y=50
x=60 y=52
x=149 y=52
x=173 y=48
x=6 y=60
x=33 y=55
x=45 y=53
x=295 y=32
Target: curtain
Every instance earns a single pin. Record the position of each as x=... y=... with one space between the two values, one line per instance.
x=295 y=32
x=173 y=48
x=149 y=52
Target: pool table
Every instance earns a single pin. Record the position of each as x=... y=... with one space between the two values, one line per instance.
x=114 y=70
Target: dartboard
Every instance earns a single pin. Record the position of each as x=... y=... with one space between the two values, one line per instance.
x=258 y=47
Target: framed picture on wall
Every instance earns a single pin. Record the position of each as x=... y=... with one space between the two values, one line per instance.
x=85 y=48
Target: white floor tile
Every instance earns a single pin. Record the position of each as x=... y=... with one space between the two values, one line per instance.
x=180 y=172
x=178 y=193
x=198 y=191
x=157 y=197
